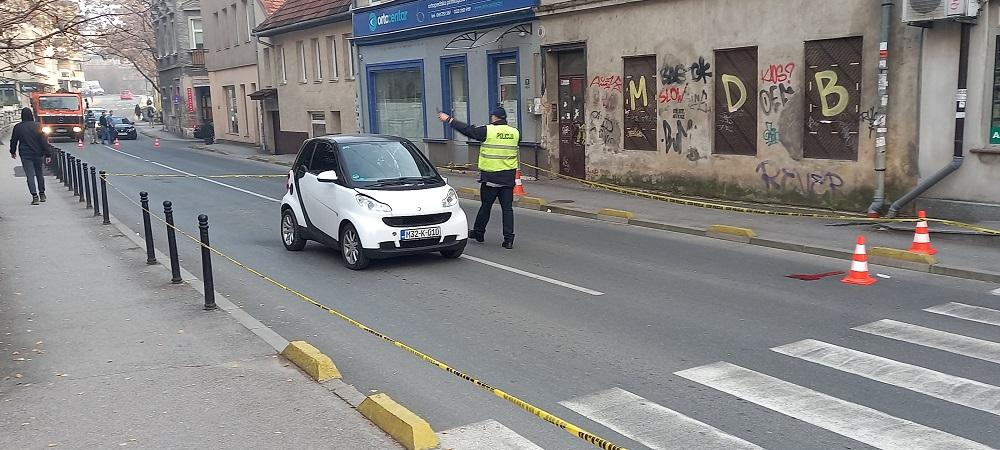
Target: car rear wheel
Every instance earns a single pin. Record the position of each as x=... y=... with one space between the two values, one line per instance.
x=290 y=235
x=351 y=249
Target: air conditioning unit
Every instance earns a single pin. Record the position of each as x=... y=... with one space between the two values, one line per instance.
x=931 y=10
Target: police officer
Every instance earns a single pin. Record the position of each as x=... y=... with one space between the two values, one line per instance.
x=498 y=162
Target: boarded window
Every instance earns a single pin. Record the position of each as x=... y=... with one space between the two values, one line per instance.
x=640 y=103
x=833 y=94
x=736 y=102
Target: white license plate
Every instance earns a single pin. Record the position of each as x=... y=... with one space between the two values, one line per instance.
x=420 y=233
x=61 y=130
x=122 y=133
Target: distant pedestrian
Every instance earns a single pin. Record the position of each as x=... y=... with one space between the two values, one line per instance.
x=102 y=123
x=138 y=113
x=28 y=138
x=110 y=129
x=498 y=162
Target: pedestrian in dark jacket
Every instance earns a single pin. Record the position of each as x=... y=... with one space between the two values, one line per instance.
x=27 y=137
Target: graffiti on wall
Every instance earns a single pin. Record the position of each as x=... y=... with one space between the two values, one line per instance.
x=639 y=112
x=736 y=102
x=833 y=90
x=678 y=74
x=607 y=82
x=777 y=91
x=775 y=177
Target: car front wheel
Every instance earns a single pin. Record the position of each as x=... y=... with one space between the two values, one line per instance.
x=290 y=235
x=351 y=249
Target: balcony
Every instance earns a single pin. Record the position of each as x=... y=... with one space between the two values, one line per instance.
x=198 y=57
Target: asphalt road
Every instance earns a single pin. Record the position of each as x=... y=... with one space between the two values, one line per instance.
x=709 y=309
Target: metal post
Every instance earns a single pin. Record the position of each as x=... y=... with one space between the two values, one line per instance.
x=104 y=196
x=206 y=263
x=86 y=184
x=93 y=184
x=175 y=267
x=75 y=176
x=62 y=167
x=69 y=173
x=147 y=228
x=81 y=181
x=57 y=165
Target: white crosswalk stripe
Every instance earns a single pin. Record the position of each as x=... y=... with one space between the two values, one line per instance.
x=962 y=391
x=650 y=424
x=854 y=421
x=485 y=435
x=967 y=312
x=937 y=339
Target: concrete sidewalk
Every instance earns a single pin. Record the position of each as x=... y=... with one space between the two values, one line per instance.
x=101 y=351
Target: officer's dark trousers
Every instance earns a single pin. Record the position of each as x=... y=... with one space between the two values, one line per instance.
x=489 y=195
x=34 y=172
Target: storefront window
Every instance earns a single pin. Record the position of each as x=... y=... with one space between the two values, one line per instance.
x=508 y=93
x=234 y=122
x=456 y=92
x=399 y=102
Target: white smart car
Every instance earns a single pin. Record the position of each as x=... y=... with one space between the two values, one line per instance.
x=371 y=196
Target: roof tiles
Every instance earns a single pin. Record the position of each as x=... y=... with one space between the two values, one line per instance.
x=293 y=11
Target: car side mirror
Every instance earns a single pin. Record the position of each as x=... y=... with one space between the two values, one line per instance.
x=330 y=176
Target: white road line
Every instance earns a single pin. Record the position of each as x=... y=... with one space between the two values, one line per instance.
x=967 y=312
x=532 y=275
x=961 y=391
x=200 y=178
x=848 y=419
x=485 y=435
x=650 y=424
x=995 y=291
x=928 y=337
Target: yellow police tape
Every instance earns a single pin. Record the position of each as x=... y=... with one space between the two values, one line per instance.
x=179 y=175
x=724 y=207
x=540 y=413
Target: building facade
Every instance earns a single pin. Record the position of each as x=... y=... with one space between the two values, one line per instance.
x=231 y=61
x=180 y=57
x=745 y=100
x=416 y=58
x=307 y=70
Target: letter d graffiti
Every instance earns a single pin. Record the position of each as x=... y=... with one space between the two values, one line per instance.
x=826 y=81
x=727 y=81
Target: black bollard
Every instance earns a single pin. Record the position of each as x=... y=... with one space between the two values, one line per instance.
x=175 y=266
x=69 y=172
x=147 y=228
x=81 y=183
x=93 y=184
x=104 y=196
x=206 y=263
x=86 y=185
x=57 y=164
x=62 y=167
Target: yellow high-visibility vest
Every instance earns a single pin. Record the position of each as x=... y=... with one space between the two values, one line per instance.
x=499 y=151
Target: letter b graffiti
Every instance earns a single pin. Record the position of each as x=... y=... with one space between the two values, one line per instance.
x=826 y=82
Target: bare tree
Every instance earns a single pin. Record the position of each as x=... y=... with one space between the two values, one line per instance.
x=127 y=36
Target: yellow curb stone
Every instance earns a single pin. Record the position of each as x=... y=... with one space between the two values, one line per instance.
x=402 y=424
x=313 y=362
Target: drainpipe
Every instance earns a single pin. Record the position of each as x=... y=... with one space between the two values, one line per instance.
x=960 y=99
x=881 y=116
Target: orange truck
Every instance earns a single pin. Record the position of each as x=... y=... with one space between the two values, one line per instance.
x=61 y=114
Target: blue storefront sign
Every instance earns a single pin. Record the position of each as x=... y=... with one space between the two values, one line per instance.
x=423 y=13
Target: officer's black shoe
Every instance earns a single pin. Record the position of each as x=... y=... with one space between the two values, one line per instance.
x=34 y=199
x=479 y=237
x=508 y=243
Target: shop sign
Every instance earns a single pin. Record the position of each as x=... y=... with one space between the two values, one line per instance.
x=423 y=13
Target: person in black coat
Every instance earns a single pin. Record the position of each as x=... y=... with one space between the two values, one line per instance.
x=28 y=138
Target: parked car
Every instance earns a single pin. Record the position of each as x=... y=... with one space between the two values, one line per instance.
x=124 y=128
x=372 y=197
x=125 y=95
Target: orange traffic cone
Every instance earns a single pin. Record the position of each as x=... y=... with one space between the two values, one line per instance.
x=79 y=143
x=118 y=145
x=922 y=237
x=859 y=266
x=518 y=187
x=156 y=143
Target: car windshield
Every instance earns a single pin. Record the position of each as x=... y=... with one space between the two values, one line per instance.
x=120 y=121
x=385 y=163
x=59 y=103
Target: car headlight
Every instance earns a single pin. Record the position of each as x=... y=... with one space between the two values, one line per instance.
x=371 y=204
x=47 y=130
x=450 y=199
x=76 y=129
